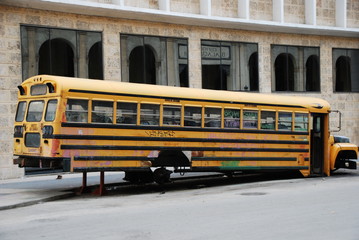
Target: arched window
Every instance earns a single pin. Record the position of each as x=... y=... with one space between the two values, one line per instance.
x=342 y=76
x=253 y=71
x=142 y=66
x=56 y=57
x=95 y=66
x=312 y=74
x=284 y=72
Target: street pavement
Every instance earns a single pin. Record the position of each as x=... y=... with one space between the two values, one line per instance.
x=34 y=189
x=31 y=190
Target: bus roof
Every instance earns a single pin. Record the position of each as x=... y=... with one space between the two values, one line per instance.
x=144 y=90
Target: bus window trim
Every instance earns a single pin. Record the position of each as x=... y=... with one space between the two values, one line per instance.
x=242 y=117
x=275 y=120
x=47 y=107
x=285 y=111
x=135 y=114
x=239 y=119
x=92 y=111
x=184 y=116
x=28 y=110
x=88 y=107
x=220 y=116
x=159 y=113
x=308 y=122
x=163 y=115
x=24 y=113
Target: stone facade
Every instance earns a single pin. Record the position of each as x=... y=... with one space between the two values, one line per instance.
x=10 y=52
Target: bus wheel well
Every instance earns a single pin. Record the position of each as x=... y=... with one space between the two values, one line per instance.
x=171 y=158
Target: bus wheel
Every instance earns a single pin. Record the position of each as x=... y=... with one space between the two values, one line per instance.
x=162 y=175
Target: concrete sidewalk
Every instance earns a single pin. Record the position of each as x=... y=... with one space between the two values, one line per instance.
x=31 y=190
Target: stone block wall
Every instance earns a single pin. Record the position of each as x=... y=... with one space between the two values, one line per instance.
x=294 y=11
x=326 y=12
x=261 y=10
x=353 y=13
x=185 y=6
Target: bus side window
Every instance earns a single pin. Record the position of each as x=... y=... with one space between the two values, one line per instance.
x=285 y=121
x=126 y=113
x=232 y=118
x=192 y=116
x=268 y=120
x=250 y=119
x=76 y=110
x=212 y=117
x=150 y=114
x=102 y=112
x=301 y=122
x=171 y=115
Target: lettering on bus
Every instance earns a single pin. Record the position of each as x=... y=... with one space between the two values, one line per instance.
x=160 y=133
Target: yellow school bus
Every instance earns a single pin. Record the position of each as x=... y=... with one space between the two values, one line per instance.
x=83 y=125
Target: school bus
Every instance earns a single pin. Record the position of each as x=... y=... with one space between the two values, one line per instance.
x=83 y=125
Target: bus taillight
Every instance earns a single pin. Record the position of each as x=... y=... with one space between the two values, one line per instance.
x=19 y=132
x=47 y=130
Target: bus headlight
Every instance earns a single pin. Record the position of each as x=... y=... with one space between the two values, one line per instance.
x=19 y=131
x=47 y=130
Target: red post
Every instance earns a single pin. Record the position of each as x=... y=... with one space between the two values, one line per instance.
x=101 y=189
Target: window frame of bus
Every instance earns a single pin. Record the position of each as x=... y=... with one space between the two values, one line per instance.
x=47 y=110
x=225 y=118
x=274 y=121
x=85 y=117
x=279 y=121
x=191 y=117
x=215 y=119
x=100 y=113
x=300 y=122
x=180 y=107
x=23 y=111
x=135 y=113
x=141 y=114
x=29 y=112
x=244 y=120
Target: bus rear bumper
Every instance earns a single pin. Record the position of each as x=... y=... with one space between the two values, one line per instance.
x=40 y=162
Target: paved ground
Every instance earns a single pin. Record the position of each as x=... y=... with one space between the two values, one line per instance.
x=252 y=207
x=42 y=188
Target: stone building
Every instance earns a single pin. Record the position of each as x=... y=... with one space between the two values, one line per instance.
x=295 y=47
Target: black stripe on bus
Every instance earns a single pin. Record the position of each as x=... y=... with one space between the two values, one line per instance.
x=173 y=139
x=194 y=169
x=110 y=158
x=247 y=168
x=150 y=148
x=178 y=98
x=98 y=169
x=190 y=129
x=138 y=158
x=242 y=159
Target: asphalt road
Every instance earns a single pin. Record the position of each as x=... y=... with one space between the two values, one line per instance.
x=254 y=207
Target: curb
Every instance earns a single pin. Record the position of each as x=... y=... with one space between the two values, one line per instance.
x=34 y=202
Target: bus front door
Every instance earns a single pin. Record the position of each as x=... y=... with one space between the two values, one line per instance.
x=317 y=144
